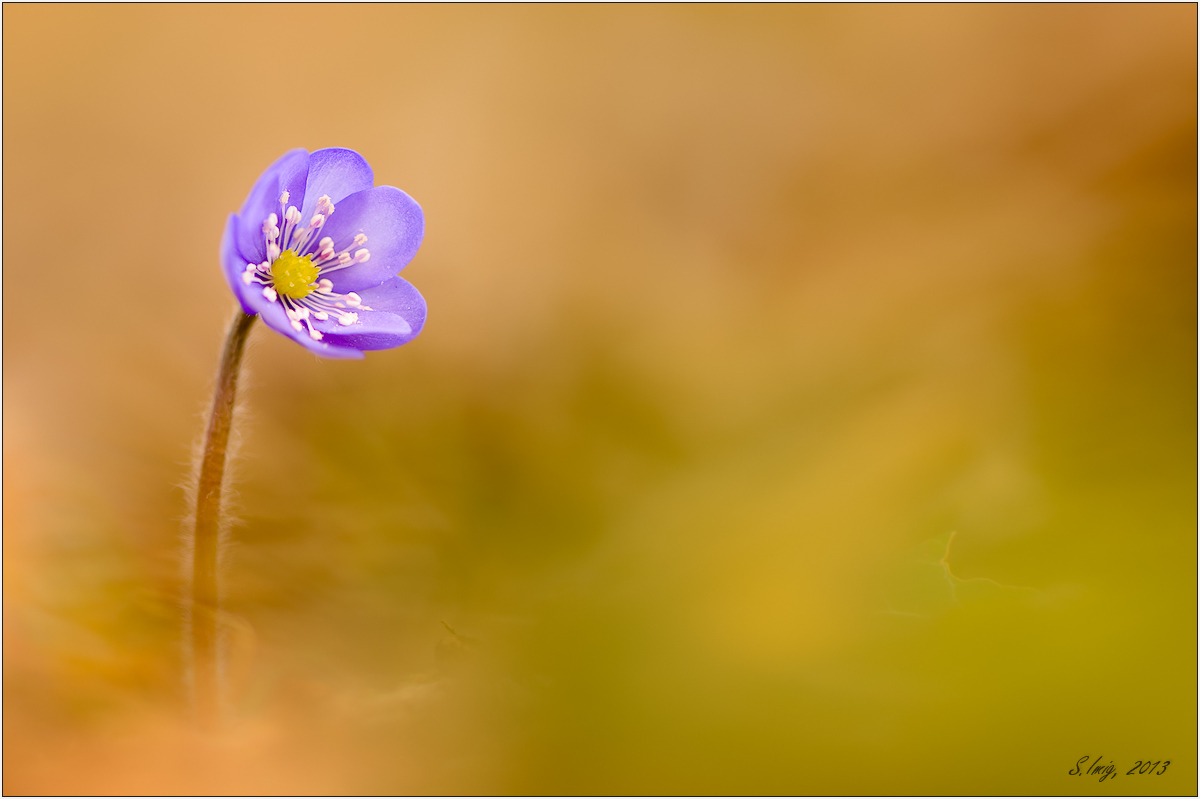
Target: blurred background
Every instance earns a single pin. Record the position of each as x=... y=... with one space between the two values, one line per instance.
x=807 y=402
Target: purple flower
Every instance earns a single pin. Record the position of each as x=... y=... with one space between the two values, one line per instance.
x=315 y=251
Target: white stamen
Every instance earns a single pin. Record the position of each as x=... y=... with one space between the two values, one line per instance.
x=316 y=221
x=316 y=334
x=248 y=277
x=359 y=240
x=344 y=259
x=325 y=285
x=325 y=243
x=296 y=325
x=321 y=315
x=353 y=300
x=361 y=256
x=273 y=251
x=347 y=318
x=250 y=267
x=292 y=215
x=283 y=199
x=270 y=294
x=324 y=205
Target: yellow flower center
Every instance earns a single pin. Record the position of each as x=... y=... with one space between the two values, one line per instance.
x=294 y=276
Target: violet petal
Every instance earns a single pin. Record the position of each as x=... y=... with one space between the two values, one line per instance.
x=394 y=225
x=276 y=318
x=289 y=174
x=233 y=264
x=335 y=172
x=397 y=315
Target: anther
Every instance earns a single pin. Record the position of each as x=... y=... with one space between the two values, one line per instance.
x=361 y=256
x=321 y=315
x=359 y=240
x=325 y=285
x=248 y=277
x=353 y=300
x=316 y=221
x=325 y=243
x=296 y=325
x=283 y=198
x=292 y=215
x=316 y=334
x=270 y=294
x=347 y=318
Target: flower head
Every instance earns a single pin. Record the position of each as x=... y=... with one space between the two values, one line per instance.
x=315 y=251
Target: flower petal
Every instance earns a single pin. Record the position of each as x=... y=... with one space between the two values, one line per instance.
x=233 y=263
x=289 y=174
x=336 y=172
x=276 y=318
x=397 y=315
x=397 y=296
x=394 y=225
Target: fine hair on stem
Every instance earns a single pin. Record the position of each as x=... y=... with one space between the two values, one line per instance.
x=208 y=520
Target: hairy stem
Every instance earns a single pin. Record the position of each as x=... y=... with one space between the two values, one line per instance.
x=205 y=599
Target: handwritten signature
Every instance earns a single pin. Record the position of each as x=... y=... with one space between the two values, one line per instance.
x=1098 y=768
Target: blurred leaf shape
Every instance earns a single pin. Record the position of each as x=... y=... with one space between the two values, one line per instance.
x=922 y=584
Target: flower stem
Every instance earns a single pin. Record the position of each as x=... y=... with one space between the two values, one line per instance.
x=205 y=599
